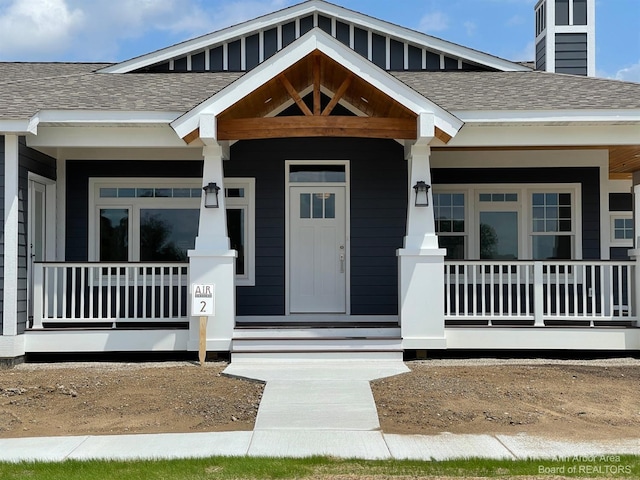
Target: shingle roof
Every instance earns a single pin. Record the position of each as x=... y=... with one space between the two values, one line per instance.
x=521 y=91
x=72 y=87
x=26 y=88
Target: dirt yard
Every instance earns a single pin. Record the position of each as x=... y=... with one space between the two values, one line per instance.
x=589 y=400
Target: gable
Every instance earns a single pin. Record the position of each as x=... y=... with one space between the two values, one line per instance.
x=384 y=107
x=244 y=46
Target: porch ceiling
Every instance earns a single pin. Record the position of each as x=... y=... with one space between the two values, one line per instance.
x=623 y=161
x=377 y=114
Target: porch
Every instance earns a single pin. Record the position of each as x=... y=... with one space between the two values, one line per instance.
x=513 y=304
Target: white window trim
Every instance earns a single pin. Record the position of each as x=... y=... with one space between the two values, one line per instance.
x=618 y=242
x=523 y=207
x=96 y=203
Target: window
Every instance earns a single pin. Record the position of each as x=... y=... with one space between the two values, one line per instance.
x=552 y=226
x=450 y=223
x=622 y=230
x=500 y=222
x=156 y=220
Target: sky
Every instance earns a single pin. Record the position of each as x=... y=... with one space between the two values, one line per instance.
x=116 y=30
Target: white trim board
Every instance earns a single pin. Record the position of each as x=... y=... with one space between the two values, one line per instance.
x=10 y=236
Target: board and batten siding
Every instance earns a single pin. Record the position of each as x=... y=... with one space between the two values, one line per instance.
x=588 y=177
x=77 y=194
x=378 y=217
x=30 y=160
x=248 y=51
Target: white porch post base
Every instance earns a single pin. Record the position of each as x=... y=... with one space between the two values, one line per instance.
x=214 y=268
x=11 y=346
x=421 y=282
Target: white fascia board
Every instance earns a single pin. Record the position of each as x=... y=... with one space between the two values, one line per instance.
x=317 y=39
x=104 y=117
x=523 y=135
x=16 y=126
x=94 y=136
x=544 y=116
x=281 y=16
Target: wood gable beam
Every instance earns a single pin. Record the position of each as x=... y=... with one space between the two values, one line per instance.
x=317 y=126
x=294 y=95
x=337 y=96
x=191 y=137
x=316 y=85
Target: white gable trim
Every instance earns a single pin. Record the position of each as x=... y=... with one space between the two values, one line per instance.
x=316 y=39
x=307 y=8
x=543 y=116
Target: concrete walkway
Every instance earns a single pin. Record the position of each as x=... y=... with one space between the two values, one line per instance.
x=315 y=408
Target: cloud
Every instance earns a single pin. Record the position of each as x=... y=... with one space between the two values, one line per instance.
x=36 y=27
x=629 y=74
x=470 y=27
x=515 y=21
x=434 y=22
x=97 y=29
x=526 y=54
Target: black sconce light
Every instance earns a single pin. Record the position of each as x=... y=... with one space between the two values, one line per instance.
x=211 y=195
x=422 y=194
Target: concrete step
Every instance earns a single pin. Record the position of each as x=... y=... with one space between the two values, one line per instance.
x=323 y=332
x=316 y=344
x=253 y=357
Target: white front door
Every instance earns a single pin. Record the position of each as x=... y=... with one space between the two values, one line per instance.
x=317 y=262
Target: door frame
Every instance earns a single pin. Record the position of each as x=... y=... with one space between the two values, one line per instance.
x=287 y=231
x=49 y=226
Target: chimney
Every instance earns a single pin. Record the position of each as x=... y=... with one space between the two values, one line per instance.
x=565 y=36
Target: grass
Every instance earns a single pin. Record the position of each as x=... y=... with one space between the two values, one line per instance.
x=250 y=468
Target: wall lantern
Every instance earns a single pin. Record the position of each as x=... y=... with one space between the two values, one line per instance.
x=422 y=194
x=211 y=195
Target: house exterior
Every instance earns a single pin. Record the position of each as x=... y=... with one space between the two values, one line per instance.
x=348 y=186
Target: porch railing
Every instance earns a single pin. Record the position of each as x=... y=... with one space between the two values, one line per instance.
x=109 y=293
x=540 y=293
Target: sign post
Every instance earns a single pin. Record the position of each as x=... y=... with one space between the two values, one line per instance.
x=203 y=304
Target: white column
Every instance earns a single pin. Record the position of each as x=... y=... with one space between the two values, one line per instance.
x=421 y=264
x=11 y=344
x=634 y=254
x=212 y=262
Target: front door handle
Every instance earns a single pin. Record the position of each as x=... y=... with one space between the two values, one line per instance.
x=342 y=263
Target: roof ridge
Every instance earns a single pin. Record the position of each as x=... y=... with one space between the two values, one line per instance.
x=50 y=77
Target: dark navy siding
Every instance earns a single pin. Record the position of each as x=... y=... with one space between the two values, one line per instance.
x=306 y=24
x=571 y=53
x=77 y=194
x=541 y=54
x=29 y=161
x=587 y=177
x=270 y=42
x=324 y=23
x=396 y=52
x=1 y=236
x=377 y=224
x=234 y=56
x=252 y=54
x=620 y=202
x=619 y=253
x=379 y=50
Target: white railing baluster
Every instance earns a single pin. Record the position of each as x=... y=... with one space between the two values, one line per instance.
x=474 y=293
